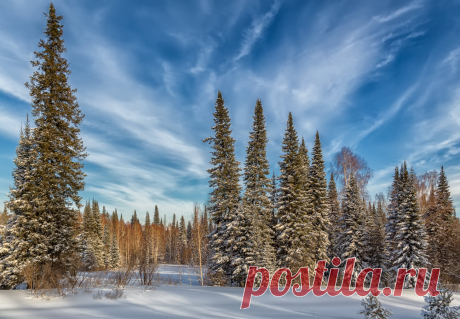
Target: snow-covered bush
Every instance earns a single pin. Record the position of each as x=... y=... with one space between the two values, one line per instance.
x=373 y=308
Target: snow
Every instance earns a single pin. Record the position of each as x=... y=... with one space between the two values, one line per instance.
x=172 y=301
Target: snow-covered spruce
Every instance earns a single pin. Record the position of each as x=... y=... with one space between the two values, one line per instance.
x=256 y=200
x=318 y=208
x=225 y=195
x=439 y=307
x=351 y=240
x=373 y=308
x=16 y=251
x=293 y=225
x=375 y=245
x=334 y=215
x=410 y=251
x=393 y=210
x=43 y=232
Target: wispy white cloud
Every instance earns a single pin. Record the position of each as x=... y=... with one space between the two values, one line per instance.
x=399 y=12
x=452 y=59
x=257 y=28
x=9 y=124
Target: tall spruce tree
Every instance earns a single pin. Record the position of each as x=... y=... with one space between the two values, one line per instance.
x=114 y=254
x=273 y=201
x=243 y=248
x=183 y=232
x=107 y=243
x=256 y=200
x=318 y=212
x=394 y=215
x=444 y=202
x=292 y=229
x=225 y=195
x=410 y=231
x=14 y=251
x=97 y=233
x=156 y=216
x=351 y=240
x=334 y=214
x=58 y=153
x=376 y=252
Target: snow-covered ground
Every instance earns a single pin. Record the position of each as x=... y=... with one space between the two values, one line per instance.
x=193 y=301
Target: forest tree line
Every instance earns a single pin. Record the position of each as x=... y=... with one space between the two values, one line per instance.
x=299 y=217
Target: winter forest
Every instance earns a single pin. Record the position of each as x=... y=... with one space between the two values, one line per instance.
x=290 y=214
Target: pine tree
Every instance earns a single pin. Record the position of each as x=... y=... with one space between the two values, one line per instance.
x=58 y=153
x=410 y=232
x=156 y=216
x=317 y=194
x=439 y=307
x=257 y=205
x=351 y=240
x=225 y=195
x=373 y=308
x=14 y=251
x=292 y=228
x=334 y=217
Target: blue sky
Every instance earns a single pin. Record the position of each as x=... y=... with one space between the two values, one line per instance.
x=381 y=77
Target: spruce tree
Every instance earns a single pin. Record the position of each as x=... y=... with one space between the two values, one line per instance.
x=410 y=231
x=376 y=252
x=114 y=254
x=334 y=217
x=443 y=221
x=189 y=231
x=14 y=251
x=183 y=232
x=225 y=195
x=273 y=201
x=444 y=202
x=373 y=308
x=96 y=233
x=432 y=227
x=256 y=200
x=243 y=246
x=134 y=219
x=292 y=229
x=156 y=216
x=318 y=212
x=147 y=238
x=351 y=240
x=394 y=215
x=58 y=153
x=107 y=243
x=439 y=307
